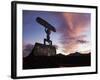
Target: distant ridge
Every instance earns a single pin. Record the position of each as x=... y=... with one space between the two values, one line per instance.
x=78 y=54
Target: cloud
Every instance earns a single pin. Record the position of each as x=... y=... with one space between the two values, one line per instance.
x=27 y=48
x=74 y=31
x=82 y=41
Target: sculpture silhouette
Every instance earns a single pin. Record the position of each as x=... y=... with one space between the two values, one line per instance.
x=48 y=29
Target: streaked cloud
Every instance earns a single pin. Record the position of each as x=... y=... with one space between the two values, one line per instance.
x=74 y=32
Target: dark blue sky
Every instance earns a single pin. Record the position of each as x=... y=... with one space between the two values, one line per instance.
x=34 y=32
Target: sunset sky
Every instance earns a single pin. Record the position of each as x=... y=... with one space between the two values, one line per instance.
x=73 y=30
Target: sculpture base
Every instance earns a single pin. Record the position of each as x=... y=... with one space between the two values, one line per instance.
x=43 y=50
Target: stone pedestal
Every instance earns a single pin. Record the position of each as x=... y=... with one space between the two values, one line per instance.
x=43 y=50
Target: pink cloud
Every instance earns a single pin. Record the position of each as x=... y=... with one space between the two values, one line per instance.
x=73 y=33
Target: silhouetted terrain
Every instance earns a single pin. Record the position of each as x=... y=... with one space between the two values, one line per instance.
x=59 y=60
